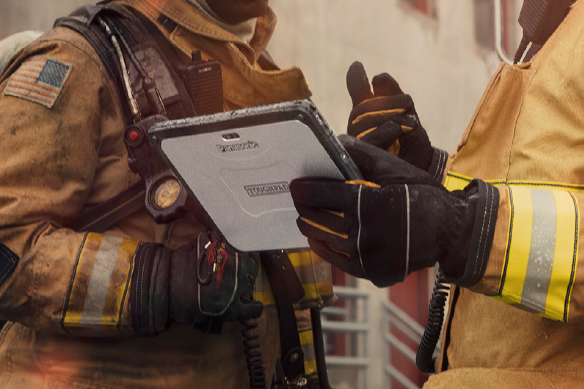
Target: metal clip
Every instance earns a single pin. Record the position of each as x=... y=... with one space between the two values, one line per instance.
x=201 y=259
x=298 y=382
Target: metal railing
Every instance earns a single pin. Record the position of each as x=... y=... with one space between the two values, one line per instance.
x=355 y=324
x=394 y=317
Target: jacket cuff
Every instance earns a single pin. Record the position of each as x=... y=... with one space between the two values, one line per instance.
x=149 y=289
x=482 y=234
x=438 y=164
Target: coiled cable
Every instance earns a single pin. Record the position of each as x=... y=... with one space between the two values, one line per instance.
x=425 y=355
x=203 y=280
x=255 y=364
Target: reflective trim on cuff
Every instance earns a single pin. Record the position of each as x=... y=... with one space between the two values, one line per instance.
x=99 y=286
x=307 y=343
x=438 y=164
x=541 y=256
x=482 y=234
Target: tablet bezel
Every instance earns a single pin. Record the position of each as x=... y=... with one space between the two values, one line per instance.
x=303 y=111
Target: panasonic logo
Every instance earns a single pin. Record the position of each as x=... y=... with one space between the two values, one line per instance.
x=238 y=146
x=267 y=189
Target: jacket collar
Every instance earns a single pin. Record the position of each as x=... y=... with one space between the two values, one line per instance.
x=189 y=18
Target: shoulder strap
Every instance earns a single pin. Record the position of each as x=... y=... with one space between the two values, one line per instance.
x=81 y=21
x=137 y=35
x=109 y=212
x=287 y=290
x=137 y=40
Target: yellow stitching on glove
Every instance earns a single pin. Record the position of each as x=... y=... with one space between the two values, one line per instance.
x=394 y=148
x=406 y=128
x=364 y=183
x=339 y=252
x=361 y=135
x=323 y=228
x=387 y=112
x=339 y=214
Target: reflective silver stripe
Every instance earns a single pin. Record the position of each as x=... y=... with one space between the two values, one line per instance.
x=407 y=231
x=359 y=232
x=99 y=282
x=311 y=274
x=541 y=253
x=309 y=353
x=322 y=272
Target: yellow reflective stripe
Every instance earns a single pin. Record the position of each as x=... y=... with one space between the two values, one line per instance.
x=518 y=255
x=99 y=285
x=85 y=262
x=540 y=265
x=118 y=289
x=307 y=343
x=266 y=298
x=542 y=283
x=314 y=273
x=456 y=181
x=300 y=258
x=310 y=367
x=565 y=257
x=325 y=288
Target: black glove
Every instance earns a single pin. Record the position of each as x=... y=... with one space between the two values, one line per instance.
x=165 y=286
x=400 y=220
x=387 y=119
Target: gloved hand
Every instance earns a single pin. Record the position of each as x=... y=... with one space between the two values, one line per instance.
x=387 y=118
x=165 y=285
x=398 y=221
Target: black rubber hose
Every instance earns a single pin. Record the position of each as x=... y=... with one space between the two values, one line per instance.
x=255 y=364
x=425 y=355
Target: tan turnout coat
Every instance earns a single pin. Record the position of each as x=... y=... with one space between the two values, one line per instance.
x=60 y=158
x=527 y=138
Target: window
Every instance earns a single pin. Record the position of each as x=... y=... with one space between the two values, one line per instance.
x=427 y=7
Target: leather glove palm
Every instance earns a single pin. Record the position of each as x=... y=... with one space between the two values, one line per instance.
x=387 y=118
x=165 y=286
x=400 y=220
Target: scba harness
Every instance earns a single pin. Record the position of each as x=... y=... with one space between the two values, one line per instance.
x=153 y=85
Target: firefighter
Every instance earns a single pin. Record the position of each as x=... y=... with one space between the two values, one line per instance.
x=503 y=222
x=116 y=309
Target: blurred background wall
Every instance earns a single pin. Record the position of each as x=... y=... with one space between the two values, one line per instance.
x=442 y=53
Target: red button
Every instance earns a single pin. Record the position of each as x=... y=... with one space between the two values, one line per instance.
x=133 y=135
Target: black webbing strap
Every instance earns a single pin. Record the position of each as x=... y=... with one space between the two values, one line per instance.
x=287 y=290
x=168 y=50
x=172 y=60
x=143 y=33
x=319 y=350
x=109 y=212
x=82 y=22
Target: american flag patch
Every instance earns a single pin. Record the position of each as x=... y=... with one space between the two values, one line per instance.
x=40 y=80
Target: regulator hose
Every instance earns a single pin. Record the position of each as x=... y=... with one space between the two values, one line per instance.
x=425 y=355
x=255 y=364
